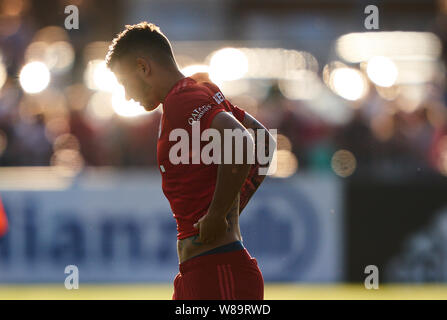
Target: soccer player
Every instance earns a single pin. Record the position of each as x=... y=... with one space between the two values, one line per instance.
x=206 y=199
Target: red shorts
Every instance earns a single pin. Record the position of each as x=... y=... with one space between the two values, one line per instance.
x=221 y=276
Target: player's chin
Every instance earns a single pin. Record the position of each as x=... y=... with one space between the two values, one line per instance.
x=149 y=107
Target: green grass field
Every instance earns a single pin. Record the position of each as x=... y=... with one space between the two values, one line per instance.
x=272 y=292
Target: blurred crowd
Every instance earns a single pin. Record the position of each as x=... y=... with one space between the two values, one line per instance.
x=382 y=133
x=379 y=135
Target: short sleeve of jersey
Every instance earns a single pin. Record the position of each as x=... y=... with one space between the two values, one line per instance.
x=238 y=113
x=185 y=107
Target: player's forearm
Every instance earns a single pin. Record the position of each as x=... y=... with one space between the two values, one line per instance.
x=230 y=178
x=230 y=174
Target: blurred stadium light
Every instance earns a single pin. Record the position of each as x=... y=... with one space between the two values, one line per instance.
x=34 y=77
x=362 y=131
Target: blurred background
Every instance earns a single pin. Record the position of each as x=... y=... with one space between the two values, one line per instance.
x=362 y=145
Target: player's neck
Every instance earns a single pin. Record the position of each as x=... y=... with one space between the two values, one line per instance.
x=171 y=79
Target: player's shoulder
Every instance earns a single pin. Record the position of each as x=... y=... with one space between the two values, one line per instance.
x=190 y=95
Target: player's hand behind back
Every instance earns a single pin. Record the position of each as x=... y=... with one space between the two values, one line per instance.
x=211 y=227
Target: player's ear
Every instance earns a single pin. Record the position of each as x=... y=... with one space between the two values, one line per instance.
x=143 y=67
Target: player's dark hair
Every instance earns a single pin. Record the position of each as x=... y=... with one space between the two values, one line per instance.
x=143 y=36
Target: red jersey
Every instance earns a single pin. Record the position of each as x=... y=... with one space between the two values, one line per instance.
x=189 y=187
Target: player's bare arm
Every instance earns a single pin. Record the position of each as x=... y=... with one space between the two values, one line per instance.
x=221 y=224
x=255 y=178
x=230 y=178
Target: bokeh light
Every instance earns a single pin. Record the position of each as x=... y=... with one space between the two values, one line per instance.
x=388 y=93
x=228 y=64
x=13 y=7
x=414 y=54
x=283 y=143
x=411 y=97
x=382 y=71
x=3 y=74
x=348 y=83
x=59 y=56
x=343 y=163
x=193 y=69
x=442 y=160
x=329 y=68
x=235 y=87
x=126 y=108
x=68 y=162
x=283 y=63
x=100 y=106
x=286 y=164
x=302 y=85
x=98 y=77
x=416 y=70
x=66 y=141
x=95 y=50
x=51 y=34
x=362 y=46
x=36 y=51
x=34 y=77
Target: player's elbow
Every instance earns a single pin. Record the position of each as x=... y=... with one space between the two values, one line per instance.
x=249 y=149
